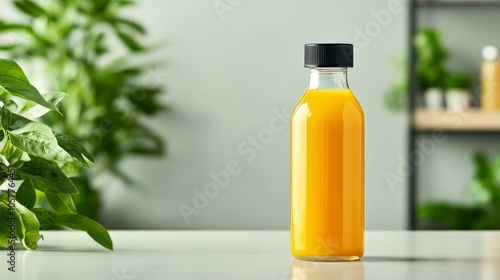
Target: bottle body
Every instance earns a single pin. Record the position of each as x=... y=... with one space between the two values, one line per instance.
x=327 y=171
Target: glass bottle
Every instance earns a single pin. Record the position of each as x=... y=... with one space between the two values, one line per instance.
x=490 y=79
x=327 y=161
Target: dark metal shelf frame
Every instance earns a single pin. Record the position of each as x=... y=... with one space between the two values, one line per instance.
x=414 y=5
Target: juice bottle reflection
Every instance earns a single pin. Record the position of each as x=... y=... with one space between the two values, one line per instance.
x=303 y=270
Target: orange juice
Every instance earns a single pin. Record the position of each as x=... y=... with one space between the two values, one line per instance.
x=327 y=172
x=327 y=175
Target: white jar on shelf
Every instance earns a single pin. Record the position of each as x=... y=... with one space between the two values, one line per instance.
x=458 y=99
x=433 y=98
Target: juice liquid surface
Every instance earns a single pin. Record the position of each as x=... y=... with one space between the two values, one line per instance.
x=327 y=176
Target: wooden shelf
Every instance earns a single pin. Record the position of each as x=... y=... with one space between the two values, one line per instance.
x=466 y=121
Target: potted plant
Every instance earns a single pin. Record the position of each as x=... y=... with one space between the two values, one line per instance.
x=431 y=70
x=458 y=93
x=37 y=185
x=93 y=51
x=482 y=215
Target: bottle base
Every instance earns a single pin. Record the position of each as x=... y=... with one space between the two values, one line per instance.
x=328 y=258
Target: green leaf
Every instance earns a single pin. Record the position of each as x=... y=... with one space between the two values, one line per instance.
x=482 y=167
x=146 y=142
x=26 y=194
x=95 y=230
x=496 y=170
x=482 y=194
x=148 y=104
x=11 y=153
x=4 y=231
x=8 y=47
x=31 y=227
x=124 y=3
x=18 y=121
x=38 y=139
x=131 y=24
x=100 y=6
x=11 y=105
x=99 y=44
x=4 y=220
x=4 y=93
x=74 y=148
x=54 y=97
x=6 y=117
x=62 y=203
x=11 y=69
x=450 y=216
x=88 y=201
x=27 y=225
x=4 y=26
x=130 y=42
x=146 y=145
x=37 y=111
x=13 y=79
x=30 y=8
x=47 y=177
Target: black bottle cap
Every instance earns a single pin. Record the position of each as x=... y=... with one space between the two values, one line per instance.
x=328 y=55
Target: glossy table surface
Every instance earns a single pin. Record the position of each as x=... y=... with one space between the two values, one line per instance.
x=443 y=255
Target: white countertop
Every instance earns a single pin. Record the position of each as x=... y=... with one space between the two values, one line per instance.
x=443 y=255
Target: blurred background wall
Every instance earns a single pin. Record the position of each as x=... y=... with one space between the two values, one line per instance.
x=227 y=73
x=231 y=67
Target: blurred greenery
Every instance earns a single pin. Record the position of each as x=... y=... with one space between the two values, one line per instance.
x=457 y=81
x=431 y=71
x=484 y=214
x=431 y=58
x=95 y=54
x=396 y=99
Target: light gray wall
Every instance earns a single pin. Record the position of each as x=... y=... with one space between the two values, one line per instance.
x=225 y=78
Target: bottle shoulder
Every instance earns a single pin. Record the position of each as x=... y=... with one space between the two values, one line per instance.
x=328 y=102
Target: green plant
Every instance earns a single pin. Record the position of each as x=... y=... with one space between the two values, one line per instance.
x=485 y=214
x=32 y=152
x=431 y=72
x=91 y=51
x=457 y=81
x=396 y=98
x=431 y=58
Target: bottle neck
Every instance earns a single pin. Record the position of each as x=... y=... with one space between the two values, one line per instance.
x=328 y=78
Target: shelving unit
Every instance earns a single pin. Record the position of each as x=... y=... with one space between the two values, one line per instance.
x=425 y=121
x=457 y=3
